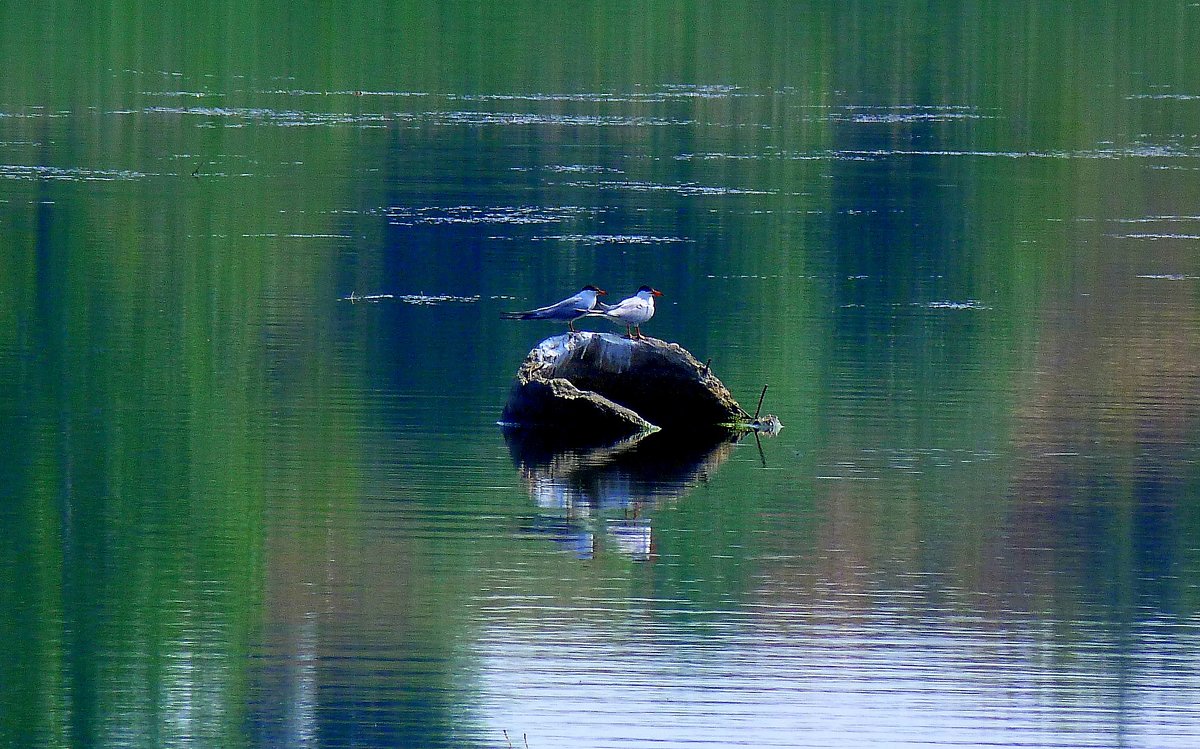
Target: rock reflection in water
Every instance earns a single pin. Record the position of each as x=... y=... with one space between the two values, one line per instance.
x=592 y=498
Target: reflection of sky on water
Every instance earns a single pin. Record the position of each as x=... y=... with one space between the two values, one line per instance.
x=594 y=497
x=765 y=679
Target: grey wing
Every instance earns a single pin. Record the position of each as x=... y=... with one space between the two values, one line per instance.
x=569 y=307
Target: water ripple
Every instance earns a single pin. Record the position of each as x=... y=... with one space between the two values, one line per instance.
x=277 y=117
x=1135 y=151
x=663 y=93
x=908 y=114
x=468 y=214
x=535 y=118
x=1156 y=219
x=1140 y=151
x=571 y=674
x=684 y=188
x=68 y=174
x=356 y=92
x=602 y=239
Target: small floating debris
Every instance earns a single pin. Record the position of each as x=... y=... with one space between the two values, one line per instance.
x=758 y=276
x=429 y=299
x=472 y=118
x=944 y=304
x=354 y=297
x=603 y=239
x=717 y=155
x=419 y=299
x=583 y=169
x=1173 y=97
x=591 y=98
x=469 y=214
x=1155 y=235
x=769 y=424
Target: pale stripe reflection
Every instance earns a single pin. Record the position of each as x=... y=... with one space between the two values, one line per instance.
x=566 y=683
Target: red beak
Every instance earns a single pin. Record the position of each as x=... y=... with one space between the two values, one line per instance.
x=655 y=292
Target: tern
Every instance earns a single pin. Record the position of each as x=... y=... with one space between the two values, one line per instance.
x=568 y=310
x=632 y=312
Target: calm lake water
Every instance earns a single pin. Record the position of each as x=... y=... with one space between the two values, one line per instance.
x=253 y=489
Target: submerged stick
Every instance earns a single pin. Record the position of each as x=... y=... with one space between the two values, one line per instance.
x=768 y=424
x=760 y=400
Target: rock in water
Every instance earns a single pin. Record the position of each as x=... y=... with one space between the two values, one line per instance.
x=598 y=384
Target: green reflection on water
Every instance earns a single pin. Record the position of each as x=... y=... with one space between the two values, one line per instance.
x=199 y=432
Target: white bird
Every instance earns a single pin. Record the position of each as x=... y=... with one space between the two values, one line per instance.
x=568 y=310
x=632 y=312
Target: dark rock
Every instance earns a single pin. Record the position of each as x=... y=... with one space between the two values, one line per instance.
x=599 y=383
x=557 y=405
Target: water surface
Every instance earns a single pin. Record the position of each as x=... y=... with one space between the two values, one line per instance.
x=254 y=490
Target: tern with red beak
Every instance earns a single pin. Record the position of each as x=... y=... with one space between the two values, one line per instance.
x=631 y=312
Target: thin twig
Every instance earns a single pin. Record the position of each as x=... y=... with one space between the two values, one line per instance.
x=760 y=400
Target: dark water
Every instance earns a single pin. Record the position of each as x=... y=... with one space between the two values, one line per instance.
x=253 y=492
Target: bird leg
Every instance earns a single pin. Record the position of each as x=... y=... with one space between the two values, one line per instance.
x=571 y=325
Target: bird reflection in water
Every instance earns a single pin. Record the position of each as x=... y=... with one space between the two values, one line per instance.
x=594 y=498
